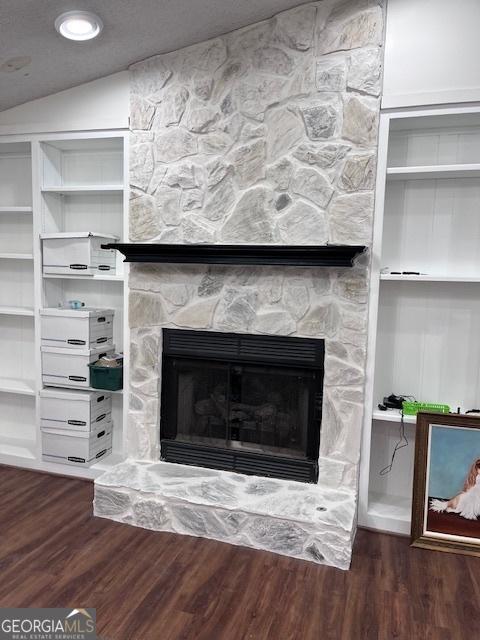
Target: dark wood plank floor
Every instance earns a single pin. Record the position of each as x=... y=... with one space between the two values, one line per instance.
x=159 y=586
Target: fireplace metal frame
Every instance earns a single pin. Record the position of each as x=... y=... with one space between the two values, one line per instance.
x=298 y=354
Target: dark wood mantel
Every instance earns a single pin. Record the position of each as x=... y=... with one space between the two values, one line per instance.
x=238 y=254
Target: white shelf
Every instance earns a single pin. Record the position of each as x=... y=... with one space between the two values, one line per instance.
x=86 y=188
x=16 y=210
x=15 y=155
x=67 y=276
x=16 y=256
x=389 y=513
x=15 y=385
x=81 y=177
x=16 y=311
x=393 y=415
x=427 y=278
x=426 y=220
x=434 y=172
x=15 y=450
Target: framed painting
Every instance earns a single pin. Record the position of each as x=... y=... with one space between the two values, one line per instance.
x=446 y=485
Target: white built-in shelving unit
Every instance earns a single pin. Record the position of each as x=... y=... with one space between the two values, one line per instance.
x=424 y=330
x=72 y=181
x=17 y=324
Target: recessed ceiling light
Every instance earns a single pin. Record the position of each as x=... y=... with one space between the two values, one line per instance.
x=78 y=25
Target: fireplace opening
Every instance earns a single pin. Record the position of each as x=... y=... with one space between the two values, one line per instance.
x=245 y=403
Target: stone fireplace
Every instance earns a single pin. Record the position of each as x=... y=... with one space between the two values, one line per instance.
x=266 y=135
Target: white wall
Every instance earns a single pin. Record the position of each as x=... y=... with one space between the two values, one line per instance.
x=432 y=52
x=101 y=104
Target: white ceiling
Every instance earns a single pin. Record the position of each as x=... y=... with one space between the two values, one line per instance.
x=134 y=29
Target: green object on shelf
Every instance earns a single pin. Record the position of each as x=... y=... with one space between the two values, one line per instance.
x=108 y=378
x=412 y=408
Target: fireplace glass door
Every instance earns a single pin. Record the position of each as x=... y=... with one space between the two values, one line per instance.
x=243 y=407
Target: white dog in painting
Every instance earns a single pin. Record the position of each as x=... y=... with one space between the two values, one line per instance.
x=466 y=503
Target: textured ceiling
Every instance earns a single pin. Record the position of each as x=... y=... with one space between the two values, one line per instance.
x=35 y=61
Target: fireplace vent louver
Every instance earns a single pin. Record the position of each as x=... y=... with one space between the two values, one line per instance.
x=250 y=464
x=178 y=342
x=235 y=346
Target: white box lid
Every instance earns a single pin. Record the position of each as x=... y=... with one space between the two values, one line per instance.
x=107 y=427
x=76 y=234
x=83 y=312
x=106 y=348
x=64 y=394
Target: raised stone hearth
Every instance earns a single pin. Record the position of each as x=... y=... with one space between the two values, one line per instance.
x=267 y=135
x=291 y=518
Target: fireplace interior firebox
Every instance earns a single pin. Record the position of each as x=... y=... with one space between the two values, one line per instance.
x=245 y=403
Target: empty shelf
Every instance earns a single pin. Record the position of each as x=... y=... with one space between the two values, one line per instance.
x=389 y=513
x=68 y=276
x=16 y=311
x=84 y=188
x=434 y=172
x=428 y=278
x=16 y=209
x=17 y=385
x=16 y=256
x=13 y=449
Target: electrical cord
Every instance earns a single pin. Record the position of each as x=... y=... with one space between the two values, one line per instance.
x=402 y=442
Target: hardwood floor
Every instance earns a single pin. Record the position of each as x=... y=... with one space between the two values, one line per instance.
x=159 y=586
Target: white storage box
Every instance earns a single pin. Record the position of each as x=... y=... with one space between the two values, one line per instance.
x=74 y=410
x=69 y=367
x=78 y=253
x=72 y=328
x=77 y=448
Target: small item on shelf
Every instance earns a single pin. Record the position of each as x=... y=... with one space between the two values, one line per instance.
x=385 y=271
x=393 y=401
x=79 y=253
x=412 y=408
x=75 y=304
x=107 y=372
x=114 y=360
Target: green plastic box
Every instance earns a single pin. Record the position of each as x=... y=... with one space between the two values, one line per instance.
x=412 y=408
x=108 y=378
